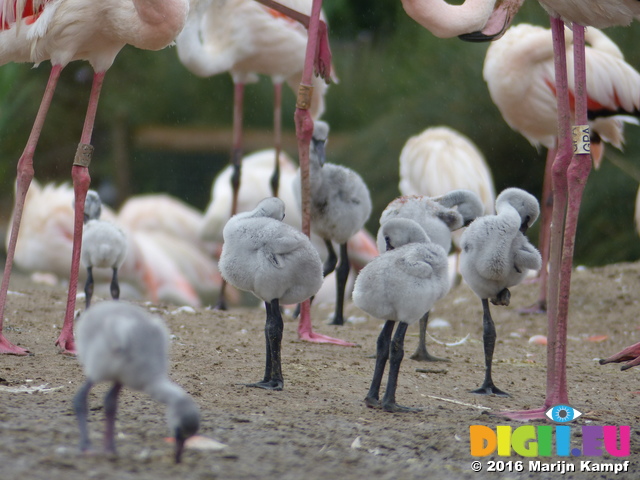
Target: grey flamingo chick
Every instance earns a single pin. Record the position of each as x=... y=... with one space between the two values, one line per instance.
x=399 y=286
x=340 y=206
x=438 y=216
x=277 y=263
x=122 y=343
x=496 y=255
x=104 y=245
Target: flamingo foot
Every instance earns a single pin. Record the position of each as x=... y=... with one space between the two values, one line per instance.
x=502 y=298
x=8 y=348
x=314 y=337
x=275 y=385
x=393 y=407
x=538 y=307
x=631 y=355
x=422 y=355
x=490 y=389
x=67 y=344
x=524 y=415
x=372 y=402
x=322 y=61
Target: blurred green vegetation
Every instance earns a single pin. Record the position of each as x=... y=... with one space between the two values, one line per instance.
x=396 y=79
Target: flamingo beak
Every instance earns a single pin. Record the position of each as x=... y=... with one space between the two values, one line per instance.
x=318 y=146
x=497 y=23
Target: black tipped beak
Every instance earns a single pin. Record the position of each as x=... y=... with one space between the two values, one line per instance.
x=476 y=37
x=479 y=37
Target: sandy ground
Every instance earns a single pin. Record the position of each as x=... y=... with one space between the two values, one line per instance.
x=319 y=427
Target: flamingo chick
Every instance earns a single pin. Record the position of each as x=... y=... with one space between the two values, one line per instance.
x=104 y=245
x=399 y=286
x=277 y=263
x=438 y=217
x=496 y=255
x=340 y=206
x=122 y=343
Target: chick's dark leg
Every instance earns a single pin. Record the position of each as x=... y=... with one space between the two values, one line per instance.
x=110 y=409
x=273 y=335
x=421 y=354
x=342 y=273
x=115 y=286
x=489 y=339
x=81 y=407
x=382 y=355
x=395 y=359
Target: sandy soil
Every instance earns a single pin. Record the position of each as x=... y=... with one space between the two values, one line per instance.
x=318 y=427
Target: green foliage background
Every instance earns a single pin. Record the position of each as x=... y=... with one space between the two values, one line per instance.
x=396 y=79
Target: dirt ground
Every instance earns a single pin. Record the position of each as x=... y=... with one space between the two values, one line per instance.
x=319 y=427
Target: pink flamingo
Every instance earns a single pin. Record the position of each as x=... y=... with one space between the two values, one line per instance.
x=246 y=39
x=520 y=76
x=62 y=31
x=570 y=170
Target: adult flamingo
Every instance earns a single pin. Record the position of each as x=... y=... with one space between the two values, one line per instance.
x=570 y=170
x=62 y=31
x=520 y=76
x=246 y=38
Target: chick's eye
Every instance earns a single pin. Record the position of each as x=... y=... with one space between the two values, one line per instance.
x=563 y=413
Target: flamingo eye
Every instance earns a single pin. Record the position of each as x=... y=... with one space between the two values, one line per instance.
x=563 y=413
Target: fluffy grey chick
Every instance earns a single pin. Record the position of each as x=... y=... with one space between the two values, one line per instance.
x=126 y=345
x=277 y=263
x=496 y=255
x=340 y=206
x=399 y=286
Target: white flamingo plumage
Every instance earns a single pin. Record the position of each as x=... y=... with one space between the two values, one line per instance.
x=62 y=31
x=519 y=72
x=439 y=160
x=245 y=38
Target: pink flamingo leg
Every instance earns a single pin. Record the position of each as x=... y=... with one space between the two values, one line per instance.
x=569 y=182
x=304 y=131
x=81 y=182
x=540 y=305
x=631 y=355
x=25 y=175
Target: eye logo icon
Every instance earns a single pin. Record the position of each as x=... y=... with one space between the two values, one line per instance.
x=563 y=413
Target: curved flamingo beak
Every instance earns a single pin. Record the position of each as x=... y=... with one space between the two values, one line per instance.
x=497 y=23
